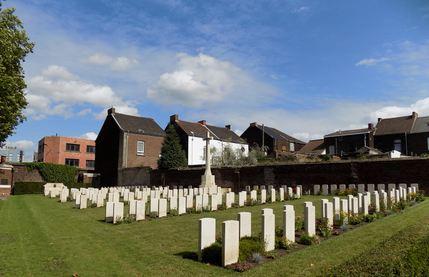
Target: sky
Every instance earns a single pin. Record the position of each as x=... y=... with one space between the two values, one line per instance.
x=304 y=67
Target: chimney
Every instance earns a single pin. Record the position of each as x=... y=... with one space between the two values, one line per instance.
x=174 y=118
x=2 y=159
x=253 y=124
x=414 y=115
x=370 y=126
x=111 y=110
x=21 y=156
x=228 y=126
x=202 y=122
x=379 y=119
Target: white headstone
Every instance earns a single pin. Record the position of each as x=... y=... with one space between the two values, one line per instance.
x=230 y=242
x=207 y=228
x=268 y=230
x=118 y=212
x=310 y=220
x=289 y=223
x=245 y=219
x=140 y=210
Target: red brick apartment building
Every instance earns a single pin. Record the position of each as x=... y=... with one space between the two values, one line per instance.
x=69 y=151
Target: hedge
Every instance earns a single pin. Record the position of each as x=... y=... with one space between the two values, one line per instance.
x=55 y=173
x=28 y=188
x=37 y=187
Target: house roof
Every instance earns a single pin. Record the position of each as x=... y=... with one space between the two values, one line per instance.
x=395 y=125
x=278 y=135
x=138 y=125
x=315 y=146
x=342 y=133
x=199 y=130
x=421 y=125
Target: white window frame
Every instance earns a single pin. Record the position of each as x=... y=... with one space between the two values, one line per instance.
x=292 y=147
x=140 y=144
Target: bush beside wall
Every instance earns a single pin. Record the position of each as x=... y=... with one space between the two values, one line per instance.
x=55 y=173
x=28 y=188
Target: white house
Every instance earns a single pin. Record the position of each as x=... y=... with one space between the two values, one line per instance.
x=192 y=135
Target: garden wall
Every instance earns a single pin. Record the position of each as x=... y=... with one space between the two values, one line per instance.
x=413 y=170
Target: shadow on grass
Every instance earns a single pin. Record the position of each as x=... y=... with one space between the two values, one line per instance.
x=189 y=255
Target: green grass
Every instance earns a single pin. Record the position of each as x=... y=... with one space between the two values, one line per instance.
x=40 y=236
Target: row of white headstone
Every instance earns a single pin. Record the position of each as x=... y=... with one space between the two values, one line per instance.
x=160 y=207
x=233 y=230
x=332 y=189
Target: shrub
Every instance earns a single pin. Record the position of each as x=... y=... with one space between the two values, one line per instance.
x=153 y=214
x=420 y=196
x=250 y=246
x=308 y=240
x=355 y=219
x=173 y=212
x=28 y=188
x=282 y=243
x=55 y=173
x=323 y=227
x=399 y=206
x=212 y=254
x=299 y=223
x=369 y=217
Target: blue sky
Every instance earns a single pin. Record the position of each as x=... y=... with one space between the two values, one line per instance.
x=304 y=67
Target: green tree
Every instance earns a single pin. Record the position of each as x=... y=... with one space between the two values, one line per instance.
x=14 y=47
x=172 y=153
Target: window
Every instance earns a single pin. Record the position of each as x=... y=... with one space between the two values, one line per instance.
x=72 y=162
x=140 y=148
x=90 y=163
x=72 y=147
x=397 y=145
x=331 y=149
x=4 y=182
x=284 y=148
x=292 y=147
x=90 y=149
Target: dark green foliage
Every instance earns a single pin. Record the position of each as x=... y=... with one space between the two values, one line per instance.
x=212 y=254
x=299 y=223
x=172 y=153
x=355 y=219
x=323 y=227
x=56 y=173
x=14 y=47
x=282 y=243
x=308 y=240
x=28 y=188
x=249 y=246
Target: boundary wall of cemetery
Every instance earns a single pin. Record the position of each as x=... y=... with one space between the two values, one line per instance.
x=409 y=170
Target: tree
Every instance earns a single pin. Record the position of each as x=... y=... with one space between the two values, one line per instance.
x=172 y=153
x=14 y=47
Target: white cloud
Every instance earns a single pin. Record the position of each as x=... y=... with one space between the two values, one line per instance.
x=115 y=63
x=421 y=107
x=27 y=146
x=56 y=91
x=371 y=61
x=301 y=9
x=202 y=79
x=89 y=135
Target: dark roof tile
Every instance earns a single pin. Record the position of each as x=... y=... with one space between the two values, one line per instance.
x=138 y=125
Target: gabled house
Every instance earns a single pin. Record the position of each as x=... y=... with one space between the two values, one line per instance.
x=346 y=142
x=192 y=135
x=419 y=137
x=394 y=133
x=126 y=141
x=315 y=147
x=276 y=142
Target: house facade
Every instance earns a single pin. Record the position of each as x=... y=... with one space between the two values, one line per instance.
x=419 y=137
x=276 y=142
x=192 y=135
x=315 y=147
x=126 y=141
x=394 y=133
x=12 y=154
x=76 y=152
x=345 y=142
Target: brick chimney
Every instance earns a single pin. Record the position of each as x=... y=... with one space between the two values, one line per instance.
x=174 y=118
x=414 y=115
x=379 y=119
x=228 y=126
x=253 y=124
x=111 y=110
x=202 y=122
x=370 y=126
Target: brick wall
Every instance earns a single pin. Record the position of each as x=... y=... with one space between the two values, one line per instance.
x=6 y=179
x=379 y=171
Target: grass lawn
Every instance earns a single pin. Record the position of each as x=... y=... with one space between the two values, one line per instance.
x=40 y=236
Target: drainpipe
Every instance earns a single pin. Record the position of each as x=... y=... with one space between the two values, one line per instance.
x=406 y=144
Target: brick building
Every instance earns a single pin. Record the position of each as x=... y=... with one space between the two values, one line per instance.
x=276 y=142
x=77 y=152
x=346 y=142
x=6 y=178
x=126 y=141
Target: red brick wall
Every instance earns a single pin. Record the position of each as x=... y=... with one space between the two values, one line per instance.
x=5 y=180
x=152 y=151
x=54 y=150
